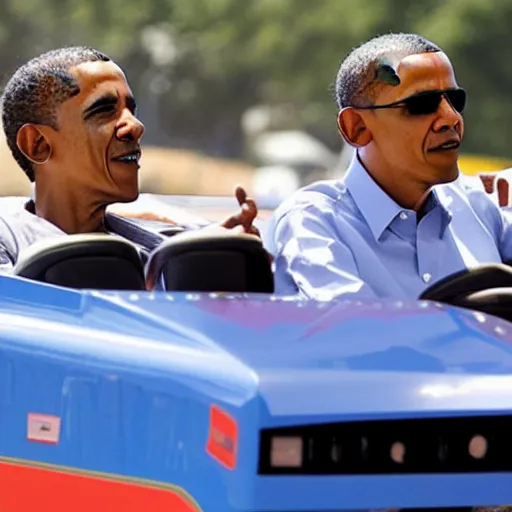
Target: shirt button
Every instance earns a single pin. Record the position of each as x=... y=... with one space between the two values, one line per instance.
x=426 y=277
x=403 y=216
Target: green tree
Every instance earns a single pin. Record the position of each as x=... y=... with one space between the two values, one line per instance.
x=198 y=65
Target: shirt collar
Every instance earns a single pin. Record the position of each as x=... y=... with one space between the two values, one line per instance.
x=443 y=201
x=30 y=206
x=377 y=208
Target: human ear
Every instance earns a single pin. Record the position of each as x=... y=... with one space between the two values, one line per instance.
x=353 y=128
x=34 y=145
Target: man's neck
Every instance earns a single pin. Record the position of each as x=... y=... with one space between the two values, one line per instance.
x=69 y=212
x=410 y=195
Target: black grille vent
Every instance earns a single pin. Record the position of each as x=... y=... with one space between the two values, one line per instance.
x=434 y=445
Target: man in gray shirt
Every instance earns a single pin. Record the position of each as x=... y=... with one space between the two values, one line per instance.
x=20 y=229
x=70 y=121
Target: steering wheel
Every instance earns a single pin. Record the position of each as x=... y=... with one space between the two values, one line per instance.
x=486 y=288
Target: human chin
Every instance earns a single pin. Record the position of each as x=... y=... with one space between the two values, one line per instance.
x=127 y=188
x=447 y=174
x=445 y=165
x=453 y=173
x=125 y=176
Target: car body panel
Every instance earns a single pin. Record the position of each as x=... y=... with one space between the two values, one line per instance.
x=29 y=485
x=132 y=381
x=117 y=396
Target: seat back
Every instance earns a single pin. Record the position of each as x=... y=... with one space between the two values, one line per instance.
x=96 y=261
x=203 y=261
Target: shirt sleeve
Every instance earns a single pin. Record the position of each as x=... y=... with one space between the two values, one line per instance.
x=311 y=259
x=7 y=244
x=6 y=263
x=497 y=219
x=505 y=240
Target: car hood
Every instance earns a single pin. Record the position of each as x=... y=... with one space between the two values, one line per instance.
x=305 y=360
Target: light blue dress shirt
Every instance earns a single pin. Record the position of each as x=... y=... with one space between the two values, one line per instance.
x=348 y=238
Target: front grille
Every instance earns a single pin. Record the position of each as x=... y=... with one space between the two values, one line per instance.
x=413 y=446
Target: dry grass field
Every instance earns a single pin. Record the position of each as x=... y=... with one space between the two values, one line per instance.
x=163 y=171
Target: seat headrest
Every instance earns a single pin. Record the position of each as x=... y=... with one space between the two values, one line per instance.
x=211 y=261
x=91 y=260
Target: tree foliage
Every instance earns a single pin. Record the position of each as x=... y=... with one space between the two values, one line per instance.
x=198 y=65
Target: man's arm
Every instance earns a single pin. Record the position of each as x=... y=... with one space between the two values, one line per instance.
x=241 y=221
x=505 y=240
x=497 y=218
x=310 y=259
x=6 y=263
x=7 y=243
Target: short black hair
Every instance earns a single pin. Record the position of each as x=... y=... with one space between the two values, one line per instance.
x=37 y=88
x=357 y=75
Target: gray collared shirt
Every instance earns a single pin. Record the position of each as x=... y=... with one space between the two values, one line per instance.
x=18 y=230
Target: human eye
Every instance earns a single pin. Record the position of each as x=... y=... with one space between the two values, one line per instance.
x=105 y=108
x=102 y=107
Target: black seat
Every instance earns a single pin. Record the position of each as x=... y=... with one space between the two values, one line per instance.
x=203 y=261
x=97 y=261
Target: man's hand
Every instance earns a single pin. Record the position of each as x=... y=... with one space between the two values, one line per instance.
x=243 y=219
x=239 y=222
x=492 y=180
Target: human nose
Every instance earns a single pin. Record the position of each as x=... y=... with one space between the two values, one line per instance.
x=447 y=118
x=129 y=127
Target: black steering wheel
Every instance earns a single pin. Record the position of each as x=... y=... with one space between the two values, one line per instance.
x=486 y=288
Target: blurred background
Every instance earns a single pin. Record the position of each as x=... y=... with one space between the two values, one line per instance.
x=239 y=91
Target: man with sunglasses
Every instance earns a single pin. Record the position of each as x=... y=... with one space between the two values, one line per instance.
x=400 y=219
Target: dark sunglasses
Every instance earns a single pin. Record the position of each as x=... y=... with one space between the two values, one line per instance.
x=426 y=102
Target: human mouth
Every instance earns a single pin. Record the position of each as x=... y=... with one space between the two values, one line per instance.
x=131 y=157
x=449 y=145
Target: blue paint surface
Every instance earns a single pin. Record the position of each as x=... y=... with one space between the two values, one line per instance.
x=133 y=376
